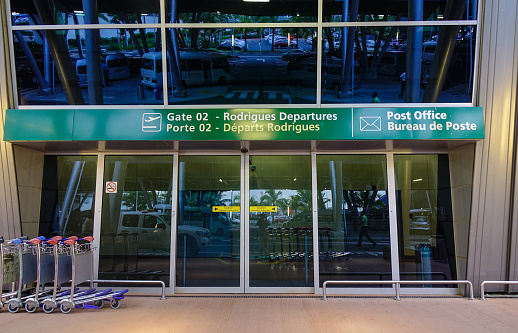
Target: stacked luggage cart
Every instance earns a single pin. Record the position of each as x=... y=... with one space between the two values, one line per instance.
x=37 y=272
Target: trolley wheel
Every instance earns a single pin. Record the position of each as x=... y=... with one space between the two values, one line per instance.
x=47 y=308
x=115 y=303
x=99 y=303
x=65 y=308
x=30 y=308
x=13 y=307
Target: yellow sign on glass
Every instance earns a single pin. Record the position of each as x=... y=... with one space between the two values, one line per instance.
x=225 y=209
x=263 y=209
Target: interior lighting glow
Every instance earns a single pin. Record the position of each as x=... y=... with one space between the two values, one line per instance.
x=417 y=180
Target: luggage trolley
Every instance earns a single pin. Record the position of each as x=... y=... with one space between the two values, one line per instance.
x=8 y=261
x=44 y=272
x=82 y=270
x=48 y=259
x=27 y=267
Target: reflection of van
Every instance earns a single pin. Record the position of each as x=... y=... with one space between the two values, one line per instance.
x=428 y=50
x=392 y=63
x=117 y=66
x=218 y=223
x=154 y=232
x=197 y=68
x=82 y=76
x=304 y=72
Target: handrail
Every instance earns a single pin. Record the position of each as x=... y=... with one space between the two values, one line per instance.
x=134 y=282
x=482 y=292
x=398 y=284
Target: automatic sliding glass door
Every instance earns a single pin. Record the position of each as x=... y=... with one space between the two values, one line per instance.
x=280 y=223
x=208 y=222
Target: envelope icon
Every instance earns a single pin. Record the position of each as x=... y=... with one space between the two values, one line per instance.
x=370 y=124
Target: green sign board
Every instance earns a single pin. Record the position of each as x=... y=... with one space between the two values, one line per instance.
x=245 y=124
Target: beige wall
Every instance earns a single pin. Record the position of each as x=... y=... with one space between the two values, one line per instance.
x=461 y=178
x=9 y=212
x=29 y=174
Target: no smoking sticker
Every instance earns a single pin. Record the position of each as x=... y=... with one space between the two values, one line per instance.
x=111 y=187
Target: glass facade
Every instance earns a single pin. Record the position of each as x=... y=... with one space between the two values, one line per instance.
x=245 y=53
x=350 y=239
x=68 y=196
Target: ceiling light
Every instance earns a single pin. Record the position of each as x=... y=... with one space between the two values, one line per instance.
x=417 y=180
x=256 y=0
x=78 y=12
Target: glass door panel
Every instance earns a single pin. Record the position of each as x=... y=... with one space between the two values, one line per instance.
x=353 y=218
x=425 y=219
x=280 y=246
x=136 y=218
x=208 y=231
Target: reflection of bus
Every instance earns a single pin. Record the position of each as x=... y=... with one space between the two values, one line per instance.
x=82 y=75
x=117 y=66
x=303 y=72
x=197 y=67
x=392 y=63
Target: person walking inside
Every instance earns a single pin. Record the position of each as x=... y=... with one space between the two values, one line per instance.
x=364 y=230
x=375 y=98
x=402 y=78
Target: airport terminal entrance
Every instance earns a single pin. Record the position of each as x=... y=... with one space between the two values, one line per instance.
x=258 y=223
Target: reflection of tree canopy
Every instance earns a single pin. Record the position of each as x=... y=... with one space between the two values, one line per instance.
x=204 y=198
x=273 y=198
x=132 y=202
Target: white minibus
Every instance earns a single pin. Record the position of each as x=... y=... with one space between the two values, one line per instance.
x=117 y=66
x=82 y=76
x=197 y=68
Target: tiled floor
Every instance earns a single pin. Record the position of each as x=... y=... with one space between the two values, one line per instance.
x=277 y=314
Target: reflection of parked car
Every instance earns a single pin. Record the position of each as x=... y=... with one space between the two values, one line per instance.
x=420 y=223
x=227 y=45
x=154 y=232
x=420 y=219
x=281 y=41
x=296 y=54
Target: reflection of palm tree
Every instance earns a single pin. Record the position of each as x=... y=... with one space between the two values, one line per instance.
x=273 y=198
